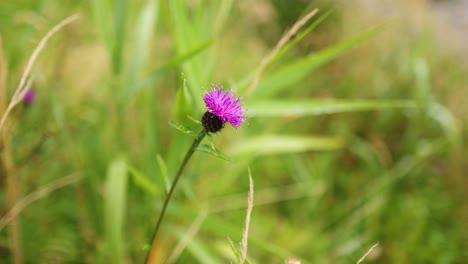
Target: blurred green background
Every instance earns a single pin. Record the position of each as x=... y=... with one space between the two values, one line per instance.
x=355 y=132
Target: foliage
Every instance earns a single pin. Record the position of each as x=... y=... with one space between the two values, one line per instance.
x=344 y=154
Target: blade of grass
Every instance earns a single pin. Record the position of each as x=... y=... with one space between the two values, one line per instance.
x=373 y=191
x=36 y=195
x=25 y=81
x=235 y=250
x=293 y=72
x=184 y=102
x=188 y=235
x=448 y=123
x=158 y=73
x=367 y=253
x=218 y=226
x=102 y=16
x=163 y=170
x=280 y=144
x=222 y=15
x=292 y=41
x=119 y=37
x=269 y=196
x=283 y=41
x=144 y=29
x=190 y=26
x=114 y=204
x=301 y=35
x=245 y=234
x=141 y=180
x=185 y=37
x=198 y=249
x=273 y=108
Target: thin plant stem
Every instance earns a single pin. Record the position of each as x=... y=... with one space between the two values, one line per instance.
x=26 y=79
x=187 y=157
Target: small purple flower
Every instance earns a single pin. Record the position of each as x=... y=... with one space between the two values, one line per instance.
x=222 y=107
x=29 y=96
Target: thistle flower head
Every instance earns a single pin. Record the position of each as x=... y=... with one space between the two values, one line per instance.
x=29 y=96
x=222 y=107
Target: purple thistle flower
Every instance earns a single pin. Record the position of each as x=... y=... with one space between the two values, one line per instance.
x=29 y=96
x=222 y=107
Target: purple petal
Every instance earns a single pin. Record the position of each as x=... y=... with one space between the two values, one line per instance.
x=224 y=105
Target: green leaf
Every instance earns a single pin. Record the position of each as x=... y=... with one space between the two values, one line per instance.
x=142 y=181
x=271 y=108
x=115 y=206
x=163 y=170
x=291 y=73
x=209 y=149
x=280 y=144
x=195 y=121
x=182 y=128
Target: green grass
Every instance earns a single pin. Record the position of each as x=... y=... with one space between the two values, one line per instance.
x=348 y=144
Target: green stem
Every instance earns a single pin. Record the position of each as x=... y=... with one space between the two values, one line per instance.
x=187 y=157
